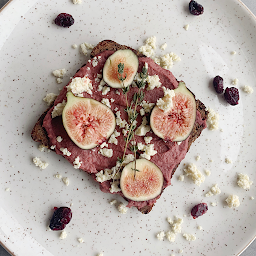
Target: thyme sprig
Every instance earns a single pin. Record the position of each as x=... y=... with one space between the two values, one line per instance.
x=132 y=108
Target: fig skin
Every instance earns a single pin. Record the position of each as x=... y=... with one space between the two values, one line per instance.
x=144 y=184
x=175 y=124
x=110 y=69
x=87 y=121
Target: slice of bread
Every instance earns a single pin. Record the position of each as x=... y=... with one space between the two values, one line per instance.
x=39 y=134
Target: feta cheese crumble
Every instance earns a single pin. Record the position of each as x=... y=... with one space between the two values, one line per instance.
x=77 y=164
x=213 y=119
x=189 y=237
x=186 y=27
x=59 y=73
x=248 y=89
x=79 y=85
x=80 y=240
x=107 y=152
x=65 y=152
x=192 y=172
x=85 y=47
x=77 y=1
x=63 y=235
x=122 y=208
x=58 y=109
x=160 y=236
x=59 y=139
x=153 y=82
x=113 y=137
x=235 y=81
x=50 y=98
x=65 y=180
x=171 y=236
x=143 y=128
x=39 y=163
x=166 y=103
x=228 y=160
x=148 y=150
x=233 y=201
x=215 y=190
x=243 y=181
x=106 y=102
x=181 y=178
x=58 y=176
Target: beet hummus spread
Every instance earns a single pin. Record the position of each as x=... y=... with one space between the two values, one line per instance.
x=167 y=154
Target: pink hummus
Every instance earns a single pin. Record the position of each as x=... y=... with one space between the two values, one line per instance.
x=169 y=154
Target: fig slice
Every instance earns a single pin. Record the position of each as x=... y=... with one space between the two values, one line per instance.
x=144 y=184
x=110 y=70
x=177 y=123
x=87 y=122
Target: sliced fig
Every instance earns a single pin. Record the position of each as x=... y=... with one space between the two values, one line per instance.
x=87 y=122
x=177 y=123
x=142 y=184
x=110 y=71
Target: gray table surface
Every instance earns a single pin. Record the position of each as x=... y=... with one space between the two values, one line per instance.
x=251 y=250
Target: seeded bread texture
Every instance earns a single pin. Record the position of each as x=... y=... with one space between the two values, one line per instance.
x=39 y=134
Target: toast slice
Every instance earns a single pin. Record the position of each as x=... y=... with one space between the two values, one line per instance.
x=39 y=133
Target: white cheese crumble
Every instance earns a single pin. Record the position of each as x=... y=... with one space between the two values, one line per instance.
x=180 y=251
x=189 y=237
x=160 y=236
x=163 y=46
x=213 y=119
x=53 y=147
x=59 y=72
x=121 y=123
x=147 y=106
x=65 y=152
x=199 y=228
x=148 y=48
x=80 y=240
x=198 y=158
x=77 y=1
x=186 y=27
x=113 y=137
x=58 y=109
x=113 y=202
x=58 y=176
x=143 y=128
x=79 y=85
x=50 y=98
x=105 y=90
x=207 y=172
x=77 y=164
x=104 y=144
x=233 y=52
x=147 y=139
x=65 y=180
x=252 y=198
x=248 y=89
x=63 y=234
x=170 y=236
x=148 y=150
x=107 y=152
x=215 y=190
x=106 y=102
x=181 y=178
x=153 y=82
x=166 y=61
x=42 y=148
x=115 y=186
x=85 y=47
x=100 y=254
x=166 y=102
x=59 y=80
x=192 y=172
x=176 y=225
x=7 y=189
x=59 y=139
x=213 y=204
x=228 y=160
x=243 y=181
x=74 y=46
x=235 y=81
x=39 y=163
x=233 y=201
x=122 y=208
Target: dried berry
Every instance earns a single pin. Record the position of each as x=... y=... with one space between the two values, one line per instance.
x=64 y=20
x=199 y=210
x=231 y=95
x=60 y=218
x=195 y=8
x=218 y=84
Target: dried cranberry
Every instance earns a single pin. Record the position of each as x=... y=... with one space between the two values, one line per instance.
x=231 y=95
x=218 y=84
x=60 y=218
x=64 y=20
x=195 y=8
x=199 y=210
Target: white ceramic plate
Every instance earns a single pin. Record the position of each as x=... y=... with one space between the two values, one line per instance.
x=31 y=46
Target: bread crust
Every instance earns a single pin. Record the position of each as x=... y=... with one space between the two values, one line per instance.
x=39 y=134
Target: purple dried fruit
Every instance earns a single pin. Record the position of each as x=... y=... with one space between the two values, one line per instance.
x=218 y=84
x=199 y=210
x=195 y=8
x=231 y=95
x=60 y=218
x=64 y=20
